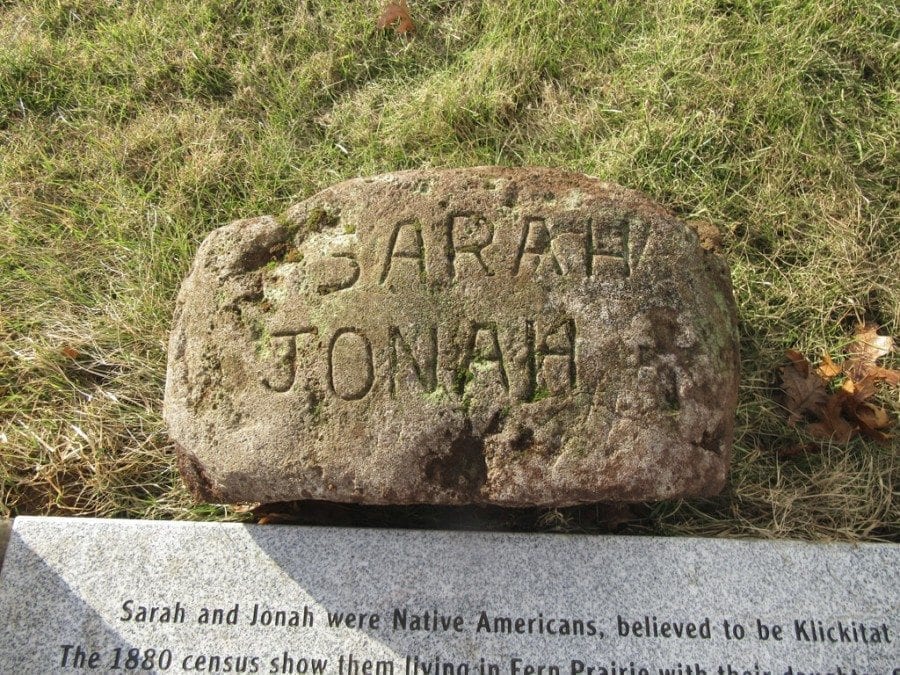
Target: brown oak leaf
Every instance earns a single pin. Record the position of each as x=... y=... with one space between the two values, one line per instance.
x=872 y=420
x=832 y=425
x=867 y=347
x=396 y=13
x=805 y=390
x=868 y=417
x=829 y=368
x=860 y=391
x=838 y=415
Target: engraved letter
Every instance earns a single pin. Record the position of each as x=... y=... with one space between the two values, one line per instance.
x=556 y=374
x=405 y=243
x=611 y=244
x=351 y=372
x=535 y=243
x=425 y=372
x=476 y=352
x=467 y=235
x=288 y=344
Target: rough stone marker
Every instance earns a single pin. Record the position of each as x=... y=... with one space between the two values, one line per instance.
x=81 y=596
x=506 y=336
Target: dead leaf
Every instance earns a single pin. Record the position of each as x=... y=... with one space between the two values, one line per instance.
x=806 y=391
x=246 y=507
x=829 y=368
x=867 y=347
x=868 y=418
x=892 y=377
x=837 y=430
x=276 y=519
x=799 y=361
x=871 y=420
x=838 y=416
x=832 y=425
x=396 y=13
x=873 y=417
x=860 y=391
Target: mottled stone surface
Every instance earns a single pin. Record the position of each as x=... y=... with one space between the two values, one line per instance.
x=494 y=603
x=506 y=336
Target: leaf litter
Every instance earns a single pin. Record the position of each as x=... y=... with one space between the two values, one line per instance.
x=834 y=401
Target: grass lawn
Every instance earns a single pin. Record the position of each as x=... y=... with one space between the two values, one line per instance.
x=129 y=130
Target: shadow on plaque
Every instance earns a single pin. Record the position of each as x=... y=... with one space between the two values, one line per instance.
x=65 y=613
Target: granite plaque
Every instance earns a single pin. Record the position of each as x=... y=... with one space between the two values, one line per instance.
x=128 y=596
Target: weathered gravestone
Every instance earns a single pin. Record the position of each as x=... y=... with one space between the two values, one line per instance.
x=489 y=335
x=82 y=596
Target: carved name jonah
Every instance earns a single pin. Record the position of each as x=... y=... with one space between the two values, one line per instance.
x=350 y=360
x=488 y=335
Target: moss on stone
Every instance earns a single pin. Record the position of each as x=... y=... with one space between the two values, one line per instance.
x=318 y=219
x=289 y=225
x=540 y=394
x=293 y=256
x=439 y=396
